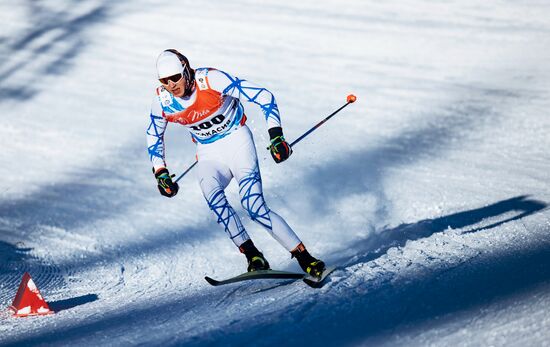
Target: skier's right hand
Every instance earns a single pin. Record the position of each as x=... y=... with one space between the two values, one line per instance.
x=165 y=184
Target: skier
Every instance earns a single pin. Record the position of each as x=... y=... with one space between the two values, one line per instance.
x=207 y=102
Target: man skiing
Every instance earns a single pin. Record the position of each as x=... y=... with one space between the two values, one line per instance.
x=207 y=102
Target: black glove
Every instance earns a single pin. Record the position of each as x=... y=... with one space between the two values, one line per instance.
x=280 y=149
x=165 y=184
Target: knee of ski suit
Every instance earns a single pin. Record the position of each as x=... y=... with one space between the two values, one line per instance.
x=255 y=206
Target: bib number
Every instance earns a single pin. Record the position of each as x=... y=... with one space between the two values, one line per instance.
x=209 y=123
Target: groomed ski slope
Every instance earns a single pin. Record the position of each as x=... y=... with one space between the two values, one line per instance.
x=431 y=192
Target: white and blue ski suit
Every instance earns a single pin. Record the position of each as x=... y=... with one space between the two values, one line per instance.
x=215 y=117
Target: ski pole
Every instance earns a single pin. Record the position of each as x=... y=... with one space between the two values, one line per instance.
x=186 y=171
x=350 y=99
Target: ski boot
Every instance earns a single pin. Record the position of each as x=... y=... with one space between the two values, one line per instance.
x=309 y=264
x=256 y=260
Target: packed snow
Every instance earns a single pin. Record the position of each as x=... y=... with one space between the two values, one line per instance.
x=430 y=193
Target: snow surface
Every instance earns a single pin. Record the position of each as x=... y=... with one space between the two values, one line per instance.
x=431 y=192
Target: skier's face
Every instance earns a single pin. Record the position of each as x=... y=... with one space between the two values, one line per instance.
x=174 y=85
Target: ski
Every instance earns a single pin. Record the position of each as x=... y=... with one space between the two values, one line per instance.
x=274 y=274
x=317 y=282
x=259 y=274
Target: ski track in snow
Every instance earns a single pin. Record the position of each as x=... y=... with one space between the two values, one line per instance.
x=430 y=193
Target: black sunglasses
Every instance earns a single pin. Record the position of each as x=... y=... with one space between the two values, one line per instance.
x=174 y=78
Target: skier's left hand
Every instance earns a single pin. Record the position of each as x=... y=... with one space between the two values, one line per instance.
x=165 y=184
x=279 y=148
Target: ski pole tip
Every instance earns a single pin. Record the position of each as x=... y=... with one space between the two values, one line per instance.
x=351 y=98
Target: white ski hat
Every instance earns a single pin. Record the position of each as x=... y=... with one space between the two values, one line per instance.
x=168 y=64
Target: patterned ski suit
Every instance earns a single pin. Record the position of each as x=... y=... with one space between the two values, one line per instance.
x=215 y=117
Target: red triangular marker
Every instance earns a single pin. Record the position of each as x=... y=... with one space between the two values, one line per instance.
x=28 y=301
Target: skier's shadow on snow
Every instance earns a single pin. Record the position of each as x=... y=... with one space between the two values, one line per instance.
x=471 y=221
x=430 y=296
x=395 y=303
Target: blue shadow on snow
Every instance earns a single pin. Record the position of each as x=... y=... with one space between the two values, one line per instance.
x=66 y=304
x=373 y=312
x=48 y=47
x=380 y=309
x=398 y=236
